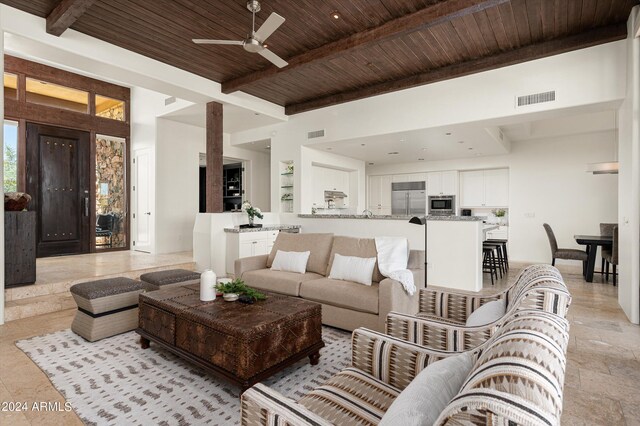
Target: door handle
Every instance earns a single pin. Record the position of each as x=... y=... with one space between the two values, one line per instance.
x=86 y=206
x=148 y=213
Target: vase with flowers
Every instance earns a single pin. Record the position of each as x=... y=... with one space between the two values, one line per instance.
x=252 y=212
x=500 y=214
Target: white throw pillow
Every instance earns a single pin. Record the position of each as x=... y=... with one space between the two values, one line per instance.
x=351 y=268
x=291 y=261
x=429 y=392
x=487 y=313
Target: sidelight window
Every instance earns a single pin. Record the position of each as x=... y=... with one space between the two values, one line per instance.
x=10 y=156
x=111 y=201
x=54 y=95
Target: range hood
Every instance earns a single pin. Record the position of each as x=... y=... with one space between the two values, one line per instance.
x=610 y=168
x=334 y=194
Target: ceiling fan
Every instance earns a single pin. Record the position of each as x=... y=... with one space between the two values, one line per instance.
x=254 y=43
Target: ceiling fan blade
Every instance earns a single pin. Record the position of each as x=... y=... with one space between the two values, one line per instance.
x=269 y=26
x=207 y=41
x=273 y=58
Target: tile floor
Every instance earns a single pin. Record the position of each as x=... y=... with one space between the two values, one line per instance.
x=602 y=385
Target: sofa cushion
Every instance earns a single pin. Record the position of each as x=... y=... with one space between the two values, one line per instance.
x=487 y=313
x=318 y=244
x=429 y=392
x=278 y=281
x=291 y=261
x=360 y=247
x=351 y=397
x=343 y=294
x=352 y=268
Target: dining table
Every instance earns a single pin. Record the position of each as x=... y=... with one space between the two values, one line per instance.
x=592 y=242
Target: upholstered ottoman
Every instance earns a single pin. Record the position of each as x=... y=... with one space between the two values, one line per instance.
x=170 y=278
x=107 y=307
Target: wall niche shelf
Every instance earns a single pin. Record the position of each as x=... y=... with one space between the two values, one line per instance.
x=286 y=186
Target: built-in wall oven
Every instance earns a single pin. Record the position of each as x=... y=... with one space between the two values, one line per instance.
x=442 y=205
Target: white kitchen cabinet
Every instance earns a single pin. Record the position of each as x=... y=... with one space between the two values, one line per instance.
x=400 y=178
x=247 y=244
x=379 y=201
x=484 y=188
x=496 y=188
x=442 y=183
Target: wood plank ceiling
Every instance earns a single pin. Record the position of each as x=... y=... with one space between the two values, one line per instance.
x=376 y=46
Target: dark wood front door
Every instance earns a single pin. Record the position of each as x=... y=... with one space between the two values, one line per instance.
x=58 y=179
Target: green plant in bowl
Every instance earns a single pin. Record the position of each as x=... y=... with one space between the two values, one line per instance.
x=238 y=287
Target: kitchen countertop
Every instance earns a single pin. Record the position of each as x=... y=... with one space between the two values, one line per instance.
x=390 y=216
x=265 y=227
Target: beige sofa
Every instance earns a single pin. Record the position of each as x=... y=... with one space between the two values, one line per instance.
x=347 y=305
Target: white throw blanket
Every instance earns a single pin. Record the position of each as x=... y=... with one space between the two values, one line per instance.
x=393 y=257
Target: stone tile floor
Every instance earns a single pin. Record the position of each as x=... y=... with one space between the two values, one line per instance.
x=602 y=385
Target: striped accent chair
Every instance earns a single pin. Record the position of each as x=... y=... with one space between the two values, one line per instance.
x=517 y=378
x=440 y=324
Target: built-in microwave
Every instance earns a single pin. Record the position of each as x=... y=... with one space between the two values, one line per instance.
x=443 y=205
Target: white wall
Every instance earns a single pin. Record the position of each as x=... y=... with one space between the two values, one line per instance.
x=178 y=148
x=547 y=178
x=583 y=78
x=629 y=180
x=357 y=181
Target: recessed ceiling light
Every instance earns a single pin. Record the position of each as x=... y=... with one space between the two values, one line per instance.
x=256 y=113
x=329 y=149
x=394 y=153
x=335 y=15
x=470 y=148
x=420 y=159
x=448 y=133
x=371 y=164
x=424 y=149
x=460 y=141
x=362 y=144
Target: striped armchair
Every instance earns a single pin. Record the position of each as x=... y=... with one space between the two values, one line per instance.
x=500 y=388
x=440 y=323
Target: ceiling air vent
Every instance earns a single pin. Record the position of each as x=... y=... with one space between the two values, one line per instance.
x=169 y=101
x=536 y=98
x=315 y=134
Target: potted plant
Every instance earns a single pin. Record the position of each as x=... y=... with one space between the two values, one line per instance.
x=252 y=213
x=238 y=289
x=500 y=214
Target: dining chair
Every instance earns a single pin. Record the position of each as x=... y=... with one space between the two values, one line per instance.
x=606 y=230
x=611 y=256
x=564 y=253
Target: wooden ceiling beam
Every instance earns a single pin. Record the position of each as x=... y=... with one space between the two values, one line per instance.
x=535 y=51
x=65 y=14
x=424 y=18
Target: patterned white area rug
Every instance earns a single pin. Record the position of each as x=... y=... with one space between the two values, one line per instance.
x=114 y=382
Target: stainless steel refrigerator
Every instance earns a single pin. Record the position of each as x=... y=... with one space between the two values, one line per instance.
x=409 y=198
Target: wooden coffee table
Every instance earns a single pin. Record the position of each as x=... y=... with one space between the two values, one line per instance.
x=241 y=343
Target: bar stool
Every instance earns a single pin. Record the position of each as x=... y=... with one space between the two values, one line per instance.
x=498 y=258
x=489 y=262
x=503 y=244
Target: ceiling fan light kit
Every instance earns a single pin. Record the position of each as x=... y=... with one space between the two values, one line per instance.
x=255 y=43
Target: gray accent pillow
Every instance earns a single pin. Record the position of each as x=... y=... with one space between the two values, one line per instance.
x=429 y=392
x=487 y=313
